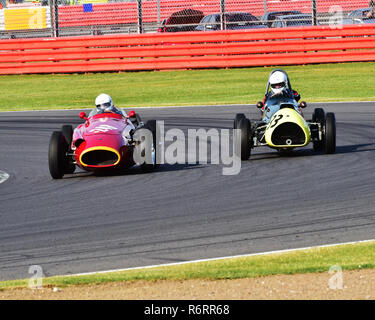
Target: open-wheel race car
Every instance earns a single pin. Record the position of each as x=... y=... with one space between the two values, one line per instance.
x=283 y=126
x=106 y=142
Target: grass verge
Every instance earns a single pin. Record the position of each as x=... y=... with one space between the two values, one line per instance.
x=327 y=82
x=348 y=257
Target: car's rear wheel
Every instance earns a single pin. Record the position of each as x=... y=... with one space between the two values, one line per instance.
x=67 y=131
x=57 y=159
x=245 y=137
x=330 y=133
x=136 y=120
x=319 y=117
x=238 y=117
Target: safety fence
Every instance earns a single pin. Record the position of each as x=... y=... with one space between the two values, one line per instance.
x=188 y=50
x=127 y=12
x=46 y=18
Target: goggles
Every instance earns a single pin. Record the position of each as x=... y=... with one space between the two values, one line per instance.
x=278 y=85
x=104 y=105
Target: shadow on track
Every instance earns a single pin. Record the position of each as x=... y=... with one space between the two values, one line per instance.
x=134 y=171
x=310 y=152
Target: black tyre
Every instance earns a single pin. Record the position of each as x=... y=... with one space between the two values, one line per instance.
x=67 y=131
x=330 y=133
x=57 y=159
x=147 y=141
x=245 y=135
x=238 y=117
x=319 y=117
x=136 y=120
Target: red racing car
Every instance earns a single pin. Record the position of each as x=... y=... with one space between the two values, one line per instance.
x=105 y=142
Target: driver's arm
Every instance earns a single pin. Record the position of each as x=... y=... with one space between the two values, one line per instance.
x=266 y=97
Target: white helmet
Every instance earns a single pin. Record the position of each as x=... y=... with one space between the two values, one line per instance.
x=278 y=81
x=104 y=102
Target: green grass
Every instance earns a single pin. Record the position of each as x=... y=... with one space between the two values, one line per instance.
x=348 y=257
x=328 y=82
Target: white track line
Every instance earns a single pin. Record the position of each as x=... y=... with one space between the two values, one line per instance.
x=213 y=259
x=177 y=107
x=3 y=176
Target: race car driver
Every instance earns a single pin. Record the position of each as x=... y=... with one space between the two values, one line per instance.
x=278 y=83
x=104 y=104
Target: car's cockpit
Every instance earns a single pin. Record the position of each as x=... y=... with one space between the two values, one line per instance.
x=115 y=110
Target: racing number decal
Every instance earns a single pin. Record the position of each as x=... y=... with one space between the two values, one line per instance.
x=275 y=120
x=103 y=128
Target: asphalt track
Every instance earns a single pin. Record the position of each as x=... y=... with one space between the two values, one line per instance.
x=87 y=223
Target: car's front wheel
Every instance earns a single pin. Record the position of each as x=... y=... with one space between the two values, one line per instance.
x=245 y=138
x=57 y=158
x=237 y=119
x=67 y=131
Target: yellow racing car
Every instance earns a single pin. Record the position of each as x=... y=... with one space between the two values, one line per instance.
x=283 y=126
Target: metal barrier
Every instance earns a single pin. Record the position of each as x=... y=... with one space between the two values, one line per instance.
x=188 y=50
x=98 y=17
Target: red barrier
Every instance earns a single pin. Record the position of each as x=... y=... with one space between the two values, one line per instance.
x=126 y=12
x=187 y=50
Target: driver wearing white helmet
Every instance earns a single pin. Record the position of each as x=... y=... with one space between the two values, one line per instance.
x=278 y=82
x=279 y=85
x=104 y=103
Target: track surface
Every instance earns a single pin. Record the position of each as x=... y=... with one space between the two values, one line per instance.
x=89 y=223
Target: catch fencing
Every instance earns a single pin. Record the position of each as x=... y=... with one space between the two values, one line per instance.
x=188 y=50
x=57 y=18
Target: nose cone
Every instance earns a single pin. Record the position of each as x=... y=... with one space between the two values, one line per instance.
x=102 y=150
x=287 y=129
x=105 y=140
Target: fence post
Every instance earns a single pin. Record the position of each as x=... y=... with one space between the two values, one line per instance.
x=314 y=18
x=140 y=19
x=265 y=6
x=158 y=4
x=54 y=12
x=222 y=12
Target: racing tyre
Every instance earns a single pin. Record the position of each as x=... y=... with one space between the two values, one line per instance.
x=320 y=117
x=238 y=117
x=245 y=138
x=57 y=159
x=147 y=141
x=330 y=133
x=67 y=131
x=136 y=120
